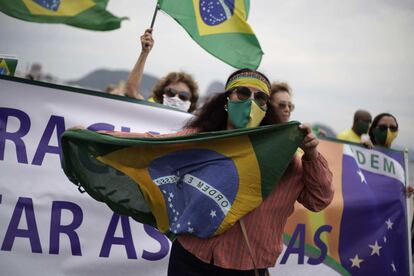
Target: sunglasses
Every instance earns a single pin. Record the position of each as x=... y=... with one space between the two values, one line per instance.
x=244 y=93
x=385 y=128
x=283 y=105
x=183 y=95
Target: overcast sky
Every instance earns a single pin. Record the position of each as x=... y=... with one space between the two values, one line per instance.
x=338 y=56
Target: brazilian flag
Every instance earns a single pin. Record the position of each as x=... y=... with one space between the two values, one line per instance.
x=220 y=27
x=7 y=65
x=86 y=14
x=196 y=184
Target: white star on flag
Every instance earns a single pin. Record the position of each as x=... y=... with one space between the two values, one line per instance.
x=171 y=195
x=190 y=230
x=389 y=224
x=213 y=213
x=361 y=175
x=356 y=261
x=375 y=248
x=393 y=267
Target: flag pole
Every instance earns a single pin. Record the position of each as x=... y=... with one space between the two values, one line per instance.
x=157 y=7
x=408 y=211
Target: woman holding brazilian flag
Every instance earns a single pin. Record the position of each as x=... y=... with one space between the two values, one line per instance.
x=253 y=244
x=222 y=227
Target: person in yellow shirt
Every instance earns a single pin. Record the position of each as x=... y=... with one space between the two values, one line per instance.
x=359 y=130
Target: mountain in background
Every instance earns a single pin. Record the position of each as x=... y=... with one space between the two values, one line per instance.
x=102 y=78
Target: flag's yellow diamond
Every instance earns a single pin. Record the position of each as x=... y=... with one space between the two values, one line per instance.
x=66 y=7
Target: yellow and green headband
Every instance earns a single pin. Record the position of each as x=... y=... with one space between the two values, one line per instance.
x=251 y=80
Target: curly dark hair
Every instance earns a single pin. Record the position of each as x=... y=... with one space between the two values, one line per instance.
x=174 y=77
x=375 y=124
x=212 y=116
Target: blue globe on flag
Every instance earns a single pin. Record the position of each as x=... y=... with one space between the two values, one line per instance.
x=199 y=187
x=52 y=5
x=214 y=12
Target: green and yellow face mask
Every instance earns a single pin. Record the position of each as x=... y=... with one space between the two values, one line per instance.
x=244 y=114
x=248 y=112
x=384 y=136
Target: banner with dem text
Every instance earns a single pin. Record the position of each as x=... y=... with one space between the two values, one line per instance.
x=364 y=230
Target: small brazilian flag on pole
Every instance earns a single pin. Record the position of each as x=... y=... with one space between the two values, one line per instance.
x=8 y=65
x=196 y=184
x=86 y=14
x=220 y=27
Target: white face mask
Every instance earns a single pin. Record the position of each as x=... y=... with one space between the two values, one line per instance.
x=176 y=102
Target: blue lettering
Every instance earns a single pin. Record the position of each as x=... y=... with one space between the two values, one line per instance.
x=125 y=129
x=126 y=240
x=55 y=122
x=165 y=245
x=101 y=126
x=299 y=232
x=320 y=244
x=15 y=137
x=25 y=205
x=56 y=228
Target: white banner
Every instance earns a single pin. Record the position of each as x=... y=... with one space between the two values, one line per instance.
x=47 y=227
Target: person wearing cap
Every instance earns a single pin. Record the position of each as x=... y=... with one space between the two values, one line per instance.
x=254 y=243
x=176 y=89
x=359 y=130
